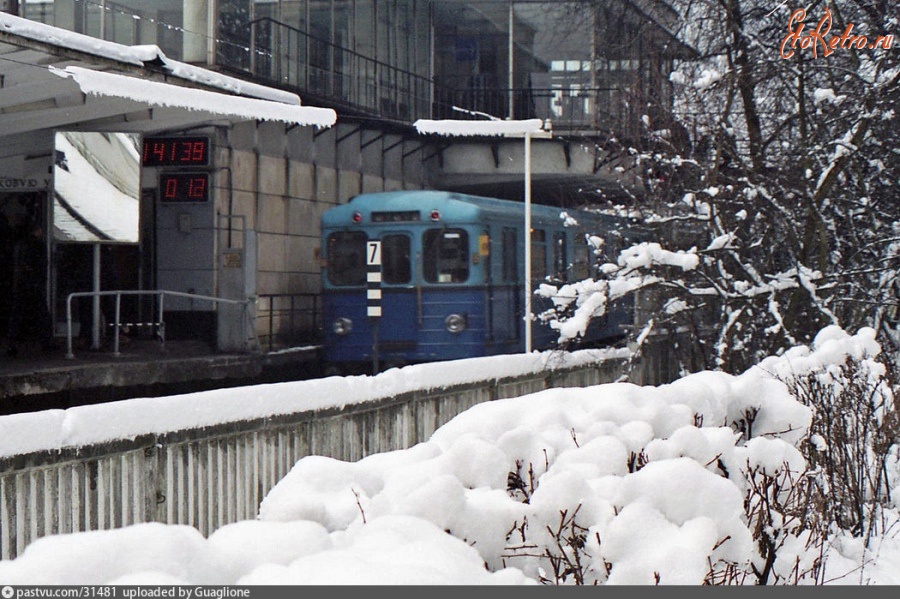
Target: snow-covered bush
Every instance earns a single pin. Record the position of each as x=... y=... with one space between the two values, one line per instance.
x=713 y=479
x=782 y=187
x=702 y=481
x=851 y=447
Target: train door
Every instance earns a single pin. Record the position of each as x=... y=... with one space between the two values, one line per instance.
x=399 y=294
x=560 y=258
x=541 y=335
x=506 y=304
x=483 y=254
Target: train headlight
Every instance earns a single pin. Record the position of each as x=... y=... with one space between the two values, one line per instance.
x=342 y=326
x=455 y=323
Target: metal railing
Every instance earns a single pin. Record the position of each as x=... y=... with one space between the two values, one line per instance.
x=284 y=55
x=117 y=324
x=288 y=318
x=278 y=54
x=573 y=108
x=208 y=476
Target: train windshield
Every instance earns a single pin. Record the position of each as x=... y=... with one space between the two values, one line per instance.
x=347 y=258
x=446 y=256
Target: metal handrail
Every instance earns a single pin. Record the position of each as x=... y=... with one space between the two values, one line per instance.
x=118 y=295
x=267 y=313
x=334 y=47
x=286 y=55
x=291 y=56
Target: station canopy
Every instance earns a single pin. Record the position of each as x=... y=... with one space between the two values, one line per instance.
x=51 y=79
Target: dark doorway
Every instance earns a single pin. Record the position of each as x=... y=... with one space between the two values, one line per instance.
x=119 y=271
x=24 y=315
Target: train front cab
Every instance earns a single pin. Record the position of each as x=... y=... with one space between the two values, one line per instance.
x=433 y=299
x=452 y=278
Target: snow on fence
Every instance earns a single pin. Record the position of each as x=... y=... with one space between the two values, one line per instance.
x=211 y=475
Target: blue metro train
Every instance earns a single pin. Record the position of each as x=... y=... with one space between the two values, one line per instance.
x=451 y=275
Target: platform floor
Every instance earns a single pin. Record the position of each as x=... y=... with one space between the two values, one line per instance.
x=46 y=379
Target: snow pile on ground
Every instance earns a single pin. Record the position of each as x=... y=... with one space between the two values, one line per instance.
x=649 y=482
x=503 y=476
x=614 y=484
x=395 y=550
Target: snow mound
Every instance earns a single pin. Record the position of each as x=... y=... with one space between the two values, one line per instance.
x=610 y=484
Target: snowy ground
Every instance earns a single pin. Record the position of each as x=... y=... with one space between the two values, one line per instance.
x=649 y=480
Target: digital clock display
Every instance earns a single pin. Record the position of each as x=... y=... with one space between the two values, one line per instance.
x=184 y=187
x=175 y=151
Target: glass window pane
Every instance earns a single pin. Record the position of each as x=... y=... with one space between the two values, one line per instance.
x=347 y=258
x=395 y=263
x=446 y=256
x=538 y=254
x=41 y=11
x=560 y=265
x=581 y=269
x=510 y=265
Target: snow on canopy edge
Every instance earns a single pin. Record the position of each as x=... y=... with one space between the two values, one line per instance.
x=139 y=55
x=155 y=93
x=191 y=72
x=49 y=34
x=474 y=128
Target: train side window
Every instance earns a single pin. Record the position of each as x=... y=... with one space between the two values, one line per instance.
x=510 y=270
x=395 y=263
x=581 y=269
x=560 y=262
x=347 y=258
x=446 y=256
x=538 y=254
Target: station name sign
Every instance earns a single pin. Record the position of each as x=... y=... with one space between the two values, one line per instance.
x=24 y=183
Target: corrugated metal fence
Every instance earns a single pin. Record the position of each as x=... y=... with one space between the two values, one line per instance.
x=209 y=477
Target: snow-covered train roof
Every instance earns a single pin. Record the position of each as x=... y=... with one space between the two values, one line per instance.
x=453 y=206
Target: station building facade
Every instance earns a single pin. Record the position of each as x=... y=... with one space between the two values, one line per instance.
x=381 y=65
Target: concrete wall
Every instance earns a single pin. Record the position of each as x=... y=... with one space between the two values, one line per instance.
x=212 y=476
x=282 y=179
x=465 y=163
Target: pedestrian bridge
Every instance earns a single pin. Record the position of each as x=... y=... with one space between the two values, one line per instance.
x=567 y=167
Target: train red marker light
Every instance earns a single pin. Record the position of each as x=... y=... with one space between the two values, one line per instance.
x=435 y=215
x=357 y=217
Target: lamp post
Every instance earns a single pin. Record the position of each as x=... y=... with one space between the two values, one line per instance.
x=527 y=129
x=528 y=290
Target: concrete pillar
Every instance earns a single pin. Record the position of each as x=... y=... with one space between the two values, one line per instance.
x=64 y=15
x=196 y=24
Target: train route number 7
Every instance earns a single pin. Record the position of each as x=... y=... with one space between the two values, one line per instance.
x=373 y=253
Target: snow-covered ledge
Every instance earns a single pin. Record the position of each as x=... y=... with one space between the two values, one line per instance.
x=123 y=420
x=207 y=459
